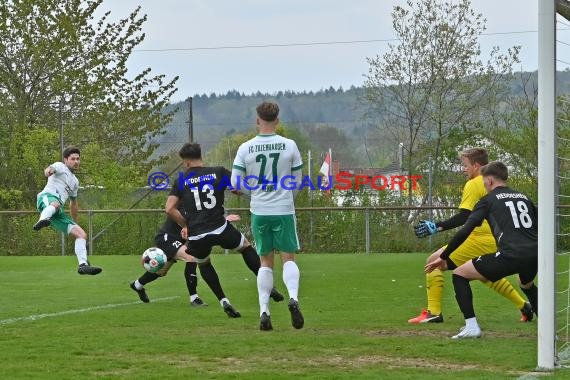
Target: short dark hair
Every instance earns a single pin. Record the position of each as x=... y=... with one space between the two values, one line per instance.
x=268 y=111
x=495 y=169
x=70 y=150
x=476 y=155
x=190 y=151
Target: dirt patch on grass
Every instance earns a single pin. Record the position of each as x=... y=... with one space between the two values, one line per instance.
x=445 y=333
x=297 y=365
x=390 y=362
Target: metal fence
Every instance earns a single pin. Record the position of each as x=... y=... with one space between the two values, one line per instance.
x=321 y=229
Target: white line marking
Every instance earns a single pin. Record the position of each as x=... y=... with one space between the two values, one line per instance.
x=76 y=311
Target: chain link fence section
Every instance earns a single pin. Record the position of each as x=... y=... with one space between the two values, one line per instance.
x=321 y=230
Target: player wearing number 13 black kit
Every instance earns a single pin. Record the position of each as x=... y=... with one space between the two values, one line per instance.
x=513 y=220
x=201 y=192
x=169 y=239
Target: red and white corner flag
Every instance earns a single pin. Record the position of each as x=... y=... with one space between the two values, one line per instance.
x=326 y=169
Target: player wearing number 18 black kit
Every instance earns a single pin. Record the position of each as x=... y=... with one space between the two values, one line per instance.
x=513 y=220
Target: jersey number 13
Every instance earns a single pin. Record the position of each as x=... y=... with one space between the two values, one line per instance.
x=209 y=202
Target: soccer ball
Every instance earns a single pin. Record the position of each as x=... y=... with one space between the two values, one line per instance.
x=153 y=259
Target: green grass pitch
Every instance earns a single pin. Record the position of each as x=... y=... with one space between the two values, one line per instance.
x=55 y=324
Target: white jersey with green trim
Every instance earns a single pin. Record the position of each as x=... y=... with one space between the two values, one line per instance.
x=266 y=164
x=63 y=183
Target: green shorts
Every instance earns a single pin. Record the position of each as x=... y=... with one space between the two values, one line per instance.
x=60 y=220
x=275 y=232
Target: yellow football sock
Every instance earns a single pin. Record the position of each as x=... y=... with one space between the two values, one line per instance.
x=504 y=288
x=434 y=287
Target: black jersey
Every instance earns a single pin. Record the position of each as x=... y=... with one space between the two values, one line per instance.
x=513 y=219
x=171 y=227
x=201 y=190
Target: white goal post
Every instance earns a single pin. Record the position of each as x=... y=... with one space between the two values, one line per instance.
x=547 y=195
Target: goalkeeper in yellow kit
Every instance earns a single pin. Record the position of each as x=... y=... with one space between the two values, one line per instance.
x=479 y=242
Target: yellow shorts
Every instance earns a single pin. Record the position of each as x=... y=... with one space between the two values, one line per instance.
x=472 y=248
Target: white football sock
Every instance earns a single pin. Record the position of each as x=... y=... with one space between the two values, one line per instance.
x=471 y=323
x=264 y=286
x=81 y=251
x=224 y=300
x=138 y=285
x=47 y=212
x=291 y=277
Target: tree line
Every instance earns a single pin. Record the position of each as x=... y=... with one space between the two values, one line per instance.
x=63 y=82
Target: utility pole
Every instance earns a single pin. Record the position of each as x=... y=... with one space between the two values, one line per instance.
x=62 y=235
x=401 y=161
x=190 y=120
x=61 y=128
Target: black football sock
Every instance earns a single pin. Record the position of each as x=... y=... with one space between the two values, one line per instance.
x=191 y=278
x=210 y=275
x=532 y=295
x=251 y=259
x=147 y=277
x=464 y=296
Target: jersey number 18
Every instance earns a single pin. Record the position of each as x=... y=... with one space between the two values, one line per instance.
x=522 y=217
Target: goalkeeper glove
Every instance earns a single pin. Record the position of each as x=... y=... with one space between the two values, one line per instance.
x=425 y=228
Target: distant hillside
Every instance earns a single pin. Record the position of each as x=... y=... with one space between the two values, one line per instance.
x=216 y=116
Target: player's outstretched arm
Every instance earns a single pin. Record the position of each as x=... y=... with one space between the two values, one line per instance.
x=239 y=185
x=233 y=218
x=298 y=174
x=171 y=210
x=49 y=171
x=425 y=228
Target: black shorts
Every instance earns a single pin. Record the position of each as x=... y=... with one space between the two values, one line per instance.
x=229 y=238
x=169 y=243
x=495 y=266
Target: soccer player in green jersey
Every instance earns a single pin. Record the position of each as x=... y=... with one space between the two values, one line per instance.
x=61 y=185
x=266 y=163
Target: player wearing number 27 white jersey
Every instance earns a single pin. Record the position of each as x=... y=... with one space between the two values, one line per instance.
x=271 y=165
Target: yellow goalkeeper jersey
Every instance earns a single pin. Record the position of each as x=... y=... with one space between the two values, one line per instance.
x=472 y=192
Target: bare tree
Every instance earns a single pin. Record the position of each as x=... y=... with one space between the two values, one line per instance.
x=432 y=85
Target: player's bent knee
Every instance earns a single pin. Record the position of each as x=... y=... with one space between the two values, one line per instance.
x=287 y=257
x=77 y=231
